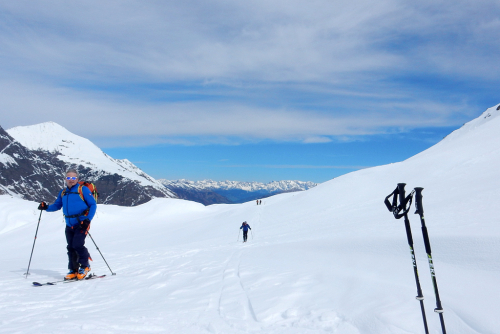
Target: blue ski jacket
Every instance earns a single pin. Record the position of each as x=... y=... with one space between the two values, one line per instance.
x=73 y=207
x=245 y=227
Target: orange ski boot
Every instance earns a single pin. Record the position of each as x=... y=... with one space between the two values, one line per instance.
x=71 y=275
x=82 y=272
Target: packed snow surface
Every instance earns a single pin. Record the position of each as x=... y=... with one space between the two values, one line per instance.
x=331 y=259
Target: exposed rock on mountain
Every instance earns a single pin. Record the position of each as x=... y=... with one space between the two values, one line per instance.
x=33 y=160
x=27 y=174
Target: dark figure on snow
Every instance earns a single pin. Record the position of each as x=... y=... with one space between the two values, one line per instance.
x=79 y=207
x=245 y=228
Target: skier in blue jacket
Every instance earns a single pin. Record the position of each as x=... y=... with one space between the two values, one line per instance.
x=245 y=228
x=78 y=214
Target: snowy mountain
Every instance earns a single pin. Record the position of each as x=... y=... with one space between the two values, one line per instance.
x=273 y=186
x=23 y=172
x=118 y=181
x=210 y=192
x=331 y=259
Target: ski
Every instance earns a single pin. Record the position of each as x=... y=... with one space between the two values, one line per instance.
x=91 y=276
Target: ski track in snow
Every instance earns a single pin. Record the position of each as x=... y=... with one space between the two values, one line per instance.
x=194 y=280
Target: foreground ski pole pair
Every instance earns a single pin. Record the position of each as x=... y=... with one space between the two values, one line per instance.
x=400 y=211
x=36 y=233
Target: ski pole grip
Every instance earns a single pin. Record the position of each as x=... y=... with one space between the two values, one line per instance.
x=418 y=201
x=401 y=190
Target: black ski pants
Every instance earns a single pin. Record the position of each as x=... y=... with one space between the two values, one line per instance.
x=245 y=235
x=78 y=255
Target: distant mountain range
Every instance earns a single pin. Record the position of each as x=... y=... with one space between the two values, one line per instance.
x=211 y=192
x=33 y=160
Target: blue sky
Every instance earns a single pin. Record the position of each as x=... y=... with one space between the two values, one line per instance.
x=254 y=90
x=267 y=161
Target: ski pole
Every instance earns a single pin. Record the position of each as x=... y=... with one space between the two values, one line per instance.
x=252 y=233
x=420 y=212
x=238 y=235
x=112 y=273
x=420 y=296
x=400 y=211
x=36 y=233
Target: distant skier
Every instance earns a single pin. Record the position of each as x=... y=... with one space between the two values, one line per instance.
x=257 y=202
x=79 y=207
x=245 y=228
x=260 y=202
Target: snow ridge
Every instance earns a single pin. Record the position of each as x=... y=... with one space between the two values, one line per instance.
x=76 y=150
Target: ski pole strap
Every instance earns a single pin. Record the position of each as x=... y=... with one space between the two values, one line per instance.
x=390 y=206
x=404 y=206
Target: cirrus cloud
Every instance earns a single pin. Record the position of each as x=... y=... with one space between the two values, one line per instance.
x=194 y=72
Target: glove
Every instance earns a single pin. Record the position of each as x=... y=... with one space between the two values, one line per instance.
x=84 y=224
x=43 y=206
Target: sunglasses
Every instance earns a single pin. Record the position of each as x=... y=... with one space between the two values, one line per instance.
x=71 y=178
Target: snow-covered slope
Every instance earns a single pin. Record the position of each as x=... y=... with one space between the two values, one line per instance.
x=24 y=173
x=77 y=150
x=119 y=181
x=331 y=259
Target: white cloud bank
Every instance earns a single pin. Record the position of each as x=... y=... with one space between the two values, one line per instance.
x=212 y=122
x=63 y=60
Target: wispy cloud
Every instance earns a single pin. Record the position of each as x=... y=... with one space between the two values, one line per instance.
x=254 y=40
x=129 y=123
x=317 y=140
x=193 y=72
